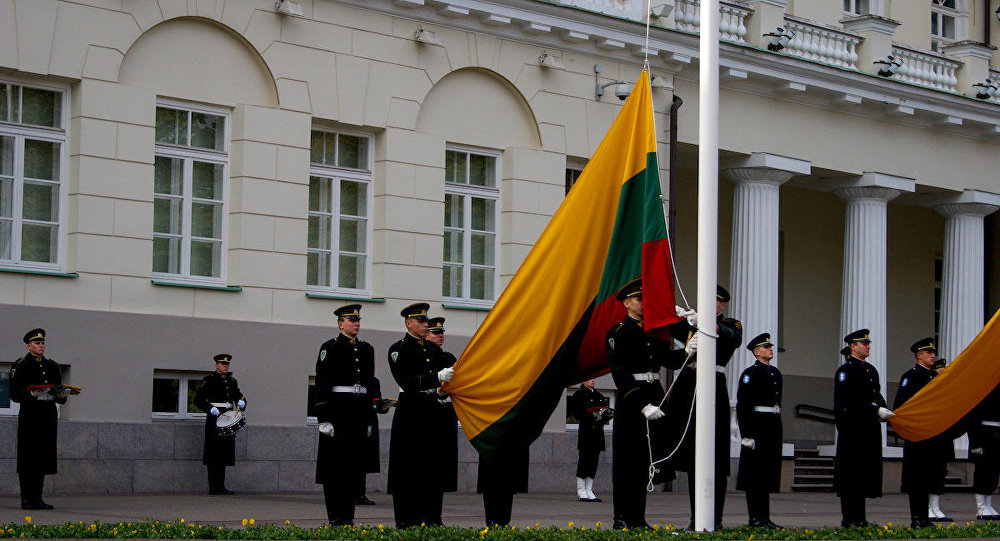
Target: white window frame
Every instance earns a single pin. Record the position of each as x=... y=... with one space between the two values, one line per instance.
x=336 y=174
x=188 y=155
x=40 y=133
x=874 y=8
x=182 y=391
x=14 y=407
x=311 y=420
x=959 y=13
x=611 y=394
x=480 y=192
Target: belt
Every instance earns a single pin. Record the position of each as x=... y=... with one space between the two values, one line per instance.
x=425 y=391
x=767 y=409
x=353 y=389
x=647 y=376
x=991 y=423
x=222 y=404
x=719 y=369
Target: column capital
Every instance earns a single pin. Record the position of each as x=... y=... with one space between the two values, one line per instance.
x=967 y=203
x=872 y=185
x=764 y=168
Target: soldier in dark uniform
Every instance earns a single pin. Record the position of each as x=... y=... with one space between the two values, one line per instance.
x=219 y=393
x=679 y=404
x=591 y=410
x=635 y=361
x=345 y=369
x=371 y=452
x=36 y=418
x=924 y=462
x=420 y=467
x=758 y=414
x=500 y=476
x=447 y=421
x=858 y=407
x=984 y=450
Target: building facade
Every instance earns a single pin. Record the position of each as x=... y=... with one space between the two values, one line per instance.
x=182 y=178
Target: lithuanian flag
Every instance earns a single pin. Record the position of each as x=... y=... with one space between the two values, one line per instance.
x=547 y=330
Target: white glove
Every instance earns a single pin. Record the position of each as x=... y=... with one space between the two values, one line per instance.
x=46 y=398
x=652 y=412
x=749 y=443
x=63 y=393
x=692 y=345
x=885 y=413
x=369 y=430
x=242 y=404
x=214 y=411
x=326 y=429
x=690 y=315
x=38 y=393
x=445 y=374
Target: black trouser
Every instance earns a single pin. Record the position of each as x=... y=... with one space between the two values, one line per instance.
x=216 y=477
x=918 y=504
x=758 y=505
x=497 y=506
x=586 y=465
x=630 y=503
x=31 y=486
x=720 y=495
x=362 y=484
x=852 y=509
x=415 y=507
x=339 y=503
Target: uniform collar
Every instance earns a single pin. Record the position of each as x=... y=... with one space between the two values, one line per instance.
x=411 y=338
x=347 y=338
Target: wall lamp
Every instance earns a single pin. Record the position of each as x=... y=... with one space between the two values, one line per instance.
x=889 y=66
x=987 y=89
x=549 y=61
x=778 y=39
x=288 y=7
x=658 y=83
x=622 y=88
x=426 y=36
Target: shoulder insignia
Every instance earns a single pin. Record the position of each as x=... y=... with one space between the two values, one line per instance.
x=737 y=324
x=322 y=355
x=842 y=376
x=904 y=382
x=394 y=355
x=611 y=342
x=746 y=378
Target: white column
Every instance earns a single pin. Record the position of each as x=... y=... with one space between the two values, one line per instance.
x=963 y=283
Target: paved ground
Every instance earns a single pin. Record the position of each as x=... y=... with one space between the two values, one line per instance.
x=792 y=509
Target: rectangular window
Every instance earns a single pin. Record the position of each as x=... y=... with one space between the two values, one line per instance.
x=173 y=395
x=571 y=176
x=190 y=178
x=340 y=178
x=471 y=219
x=944 y=23
x=7 y=407
x=32 y=157
x=311 y=402
x=857 y=7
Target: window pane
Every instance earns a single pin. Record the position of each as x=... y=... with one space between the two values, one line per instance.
x=454 y=167
x=454 y=208
x=208 y=131
x=352 y=235
x=5 y=238
x=39 y=242
x=318 y=268
x=482 y=171
x=452 y=281
x=481 y=282
x=167 y=215
x=41 y=159
x=165 y=395
x=483 y=214
x=847 y=5
x=319 y=232
x=482 y=249
x=6 y=155
x=353 y=198
x=41 y=202
x=171 y=126
x=4 y=389
x=206 y=257
x=206 y=180
x=352 y=151
x=168 y=175
x=5 y=101
x=319 y=194
x=861 y=7
x=934 y=24
x=948 y=27
x=206 y=220
x=453 y=246
x=330 y=148
x=41 y=107
x=351 y=272
x=316 y=148
x=193 y=386
x=167 y=255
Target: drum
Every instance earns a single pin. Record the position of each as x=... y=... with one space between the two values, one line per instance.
x=230 y=422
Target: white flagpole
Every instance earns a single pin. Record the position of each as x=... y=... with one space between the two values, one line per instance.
x=708 y=211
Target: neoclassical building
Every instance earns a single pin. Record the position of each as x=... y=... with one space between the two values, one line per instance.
x=180 y=179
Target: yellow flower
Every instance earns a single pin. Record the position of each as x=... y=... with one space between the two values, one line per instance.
x=483 y=531
x=252 y=521
x=93 y=526
x=656 y=526
x=181 y=521
x=244 y=522
x=570 y=524
x=750 y=538
x=537 y=526
x=381 y=527
x=287 y=522
x=27 y=519
x=597 y=524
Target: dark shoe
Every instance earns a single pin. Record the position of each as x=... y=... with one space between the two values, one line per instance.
x=640 y=526
x=619 y=524
x=39 y=504
x=30 y=506
x=756 y=523
x=595 y=499
x=339 y=523
x=941 y=519
x=921 y=522
x=215 y=491
x=772 y=525
x=363 y=500
x=718 y=526
x=225 y=490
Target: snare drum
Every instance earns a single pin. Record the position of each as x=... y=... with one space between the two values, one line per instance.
x=230 y=422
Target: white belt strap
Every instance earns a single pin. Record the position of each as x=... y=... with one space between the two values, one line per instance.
x=425 y=391
x=222 y=404
x=353 y=389
x=767 y=409
x=646 y=376
x=719 y=369
x=991 y=423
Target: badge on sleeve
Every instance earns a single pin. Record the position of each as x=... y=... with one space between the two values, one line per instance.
x=393 y=355
x=842 y=376
x=746 y=378
x=904 y=382
x=322 y=355
x=611 y=343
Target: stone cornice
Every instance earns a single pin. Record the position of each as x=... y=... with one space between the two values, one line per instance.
x=969 y=48
x=876 y=23
x=873 y=186
x=969 y=202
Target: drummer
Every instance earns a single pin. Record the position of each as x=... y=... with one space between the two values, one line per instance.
x=219 y=393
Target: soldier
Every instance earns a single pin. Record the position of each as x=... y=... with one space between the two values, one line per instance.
x=420 y=469
x=447 y=421
x=345 y=370
x=680 y=402
x=984 y=450
x=924 y=462
x=219 y=392
x=858 y=408
x=635 y=361
x=591 y=409
x=371 y=452
x=36 y=419
x=758 y=413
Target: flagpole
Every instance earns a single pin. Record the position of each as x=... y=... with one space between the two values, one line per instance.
x=708 y=211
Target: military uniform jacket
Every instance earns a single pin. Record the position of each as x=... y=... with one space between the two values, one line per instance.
x=36 y=419
x=219 y=450
x=760 y=467
x=630 y=352
x=679 y=403
x=423 y=443
x=587 y=404
x=985 y=437
x=343 y=365
x=924 y=462
x=857 y=396
x=371 y=459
